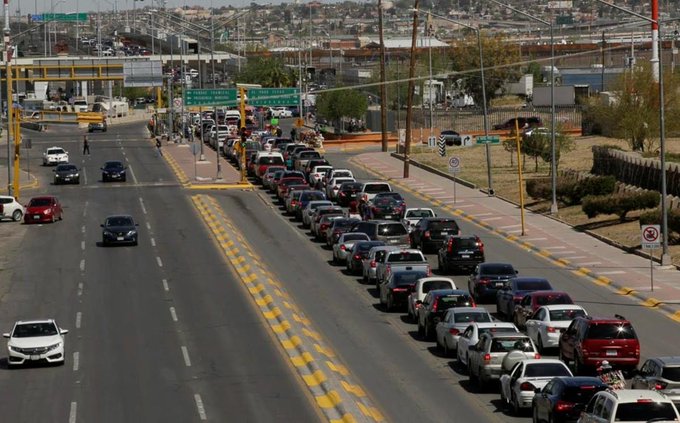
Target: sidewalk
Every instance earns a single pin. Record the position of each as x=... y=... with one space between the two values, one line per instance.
x=586 y=256
x=26 y=181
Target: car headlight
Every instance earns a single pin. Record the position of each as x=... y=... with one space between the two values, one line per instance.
x=55 y=346
x=76 y=175
x=15 y=349
x=132 y=233
x=48 y=211
x=108 y=233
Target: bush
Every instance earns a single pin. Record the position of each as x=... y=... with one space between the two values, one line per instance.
x=653 y=217
x=570 y=190
x=620 y=204
x=539 y=188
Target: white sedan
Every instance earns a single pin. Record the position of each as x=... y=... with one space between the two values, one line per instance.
x=545 y=325
x=455 y=321
x=519 y=386
x=471 y=336
x=54 y=156
x=343 y=248
x=35 y=341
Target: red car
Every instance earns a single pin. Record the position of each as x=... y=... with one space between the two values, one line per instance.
x=284 y=183
x=534 y=300
x=43 y=209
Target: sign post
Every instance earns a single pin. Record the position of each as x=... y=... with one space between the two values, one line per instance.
x=441 y=145
x=651 y=240
x=454 y=167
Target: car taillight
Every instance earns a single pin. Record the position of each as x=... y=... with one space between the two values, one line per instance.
x=373 y=264
x=375 y=209
x=399 y=289
x=487 y=358
x=454 y=331
x=537 y=356
x=484 y=281
x=323 y=226
x=660 y=386
x=426 y=234
x=551 y=329
x=357 y=257
x=293 y=202
x=561 y=406
x=435 y=305
x=342 y=193
x=480 y=244
x=342 y=247
x=526 y=386
x=449 y=246
x=429 y=270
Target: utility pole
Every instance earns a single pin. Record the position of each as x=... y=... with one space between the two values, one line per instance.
x=5 y=53
x=409 y=95
x=383 y=77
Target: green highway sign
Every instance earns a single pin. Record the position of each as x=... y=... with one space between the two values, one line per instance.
x=273 y=96
x=65 y=17
x=490 y=139
x=208 y=97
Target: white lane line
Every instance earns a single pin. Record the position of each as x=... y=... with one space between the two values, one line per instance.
x=558 y=247
x=559 y=253
x=72 y=414
x=576 y=257
x=148 y=225
x=141 y=203
x=84 y=180
x=153 y=242
x=200 y=407
x=82 y=265
x=482 y=214
x=79 y=318
x=166 y=287
x=82 y=229
x=80 y=289
x=463 y=206
x=511 y=226
x=536 y=239
x=590 y=263
x=185 y=354
x=173 y=313
x=158 y=260
x=488 y=219
x=82 y=245
x=132 y=173
x=76 y=361
x=445 y=197
x=612 y=272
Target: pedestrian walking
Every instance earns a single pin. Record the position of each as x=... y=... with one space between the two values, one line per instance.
x=158 y=147
x=293 y=133
x=86 y=145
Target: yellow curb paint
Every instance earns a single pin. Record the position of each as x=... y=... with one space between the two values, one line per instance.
x=256 y=289
x=284 y=326
x=315 y=379
x=250 y=278
x=343 y=370
x=312 y=334
x=511 y=237
x=302 y=360
x=347 y=418
x=239 y=259
x=370 y=412
x=651 y=302
x=626 y=291
x=563 y=262
x=585 y=271
x=267 y=299
x=325 y=351
x=579 y=273
x=603 y=280
x=675 y=316
x=543 y=253
x=273 y=314
x=222 y=186
x=331 y=400
x=243 y=269
x=291 y=343
x=353 y=389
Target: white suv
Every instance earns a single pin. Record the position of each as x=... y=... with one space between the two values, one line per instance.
x=54 y=156
x=635 y=405
x=10 y=208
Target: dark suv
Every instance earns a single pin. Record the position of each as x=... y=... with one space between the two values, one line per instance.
x=434 y=306
x=431 y=232
x=391 y=233
x=459 y=252
x=588 y=341
x=488 y=278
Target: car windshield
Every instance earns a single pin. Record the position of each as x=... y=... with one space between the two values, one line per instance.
x=446 y=302
x=405 y=256
x=429 y=286
x=553 y=299
x=533 y=286
x=350 y=186
x=546 y=370
x=275 y=160
x=66 y=168
x=645 y=411
x=340 y=181
x=375 y=188
x=562 y=315
x=55 y=151
x=315 y=206
x=442 y=225
x=497 y=270
x=394 y=195
x=28 y=330
x=419 y=213
x=342 y=173
x=469 y=317
x=330 y=210
x=671 y=373
x=113 y=165
x=394 y=229
x=508 y=344
x=313 y=196
x=408 y=278
x=611 y=331
x=119 y=221
x=385 y=202
x=39 y=202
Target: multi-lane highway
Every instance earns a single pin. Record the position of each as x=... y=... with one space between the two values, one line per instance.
x=165 y=332
x=158 y=332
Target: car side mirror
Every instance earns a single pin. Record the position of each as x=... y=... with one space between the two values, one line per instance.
x=63 y=331
x=5 y=335
x=516 y=272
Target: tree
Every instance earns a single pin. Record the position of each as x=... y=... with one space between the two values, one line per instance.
x=499 y=55
x=344 y=103
x=267 y=71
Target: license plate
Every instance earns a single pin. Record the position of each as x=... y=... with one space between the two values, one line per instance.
x=394 y=241
x=444 y=233
x=120 y=238
x=499 y=284
x=465 y=255
x=67 y=179
x=36 y=217
x=611 y=353
x=35 y=357
x=388 y=216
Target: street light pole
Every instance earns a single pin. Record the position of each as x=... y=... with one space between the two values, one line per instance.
x=383 y=77
x=428 y=31
x=553 y=147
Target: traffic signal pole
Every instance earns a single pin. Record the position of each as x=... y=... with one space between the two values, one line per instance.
x=242 y=108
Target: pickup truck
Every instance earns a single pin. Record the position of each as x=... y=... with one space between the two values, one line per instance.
x=303 y=157
x=413 y=216
x=400 y=260
x=485 y=359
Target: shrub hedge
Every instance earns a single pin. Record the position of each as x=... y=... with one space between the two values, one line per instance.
x=570 y=190
x=653 y=217
x=619 y=204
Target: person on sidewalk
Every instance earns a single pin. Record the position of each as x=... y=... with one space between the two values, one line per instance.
x=86 y=145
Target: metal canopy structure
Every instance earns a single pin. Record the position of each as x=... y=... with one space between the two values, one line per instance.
x=94 y=69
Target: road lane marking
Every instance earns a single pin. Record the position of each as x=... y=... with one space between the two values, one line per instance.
x=590 y=263
x=153 y=242
x=200 y=407
x=158 y=260
x=612 y=272
x=185 y=354
x=536 y=239
x=82 y=265
x=84 y=179
x=85 y=208
x=82 y=245
x=82 y=229
x=148 y=226
x=141 y=203
x=79 y=317
x=73 y=412
x=132 y=173
x=80 y=289
x=76 y=361
x=173 y=314
x=165 y=285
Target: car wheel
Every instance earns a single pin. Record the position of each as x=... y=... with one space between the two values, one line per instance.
x=472 y=377
x=390 y=304
x=123 y=179
x=561 y=356
x=447 y=351
x=17 y=215
x=428 y=333
x=365 y=278
x=578 y=367
x=499 y=310
x=481 y=383
x=504 y=401
x=421 y=330
x=534 y=416
x=53 y=219
x=440 y=265
x=539 y=345
x=515 y=405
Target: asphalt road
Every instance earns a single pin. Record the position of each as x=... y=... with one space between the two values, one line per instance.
x=408 y=378
x=158 y=332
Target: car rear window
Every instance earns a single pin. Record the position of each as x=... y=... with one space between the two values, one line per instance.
x=350 y=186
x=408 y=278
x=533 y=286
x=545 y=370
x=355 y=236
x=405 y=257
x=496 y=330
x=313 y=196
x=446 y=302
x=366 y=246
x=610 y=331
x=509 y=344
x=472 y=317
x=419 y=213
x=392 y=229
x=330 y=211
x=553 y=299
x=645 y=411
x=581 y=394
x=39 y=202
x=309 y=154
x=441 y=225
x=502 y=269
x=320 y=204
x=374 y=188
x=342 y=173
x=465 y=242
x=562 y=315
x=274 y=160
x=671 y=373
x=429 y=286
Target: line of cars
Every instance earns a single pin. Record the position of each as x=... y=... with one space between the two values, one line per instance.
x=509 y=354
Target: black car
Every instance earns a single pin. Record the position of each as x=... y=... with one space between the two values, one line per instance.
x=522 y=122
x=97 y=126
x=563 y=398
x=514 y=291
x=113 y=171
x=434 y=306
x=120 y=229
x=460 y=252
x=348 y=193
x=431 y=232
x=337 y=228
x=488 y=278
x=451 y=138
x=387 y=208
x=395 y=290
x=359 y=253
x=66 y=174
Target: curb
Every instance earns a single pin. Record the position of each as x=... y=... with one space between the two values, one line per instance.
x=649 y=302
x=435 y=171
